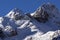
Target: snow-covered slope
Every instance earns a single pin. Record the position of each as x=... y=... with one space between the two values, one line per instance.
x=43 y=24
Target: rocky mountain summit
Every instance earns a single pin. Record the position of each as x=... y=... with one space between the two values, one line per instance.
x=43 y=24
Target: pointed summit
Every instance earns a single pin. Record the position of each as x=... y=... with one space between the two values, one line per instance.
x=48 y=7
x=45 y=11
x=14 y=13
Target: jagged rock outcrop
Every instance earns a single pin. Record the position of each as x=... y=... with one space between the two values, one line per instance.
x=15 y=14
x=41 y=15
x=46 y=12
x=43 y=24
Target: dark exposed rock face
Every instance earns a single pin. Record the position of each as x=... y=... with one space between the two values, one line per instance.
x=57 y=38
x=2 y=35
x=18 y=26
x=13 y=33
x=18 y=14
x=41 y=15
x=17 y=17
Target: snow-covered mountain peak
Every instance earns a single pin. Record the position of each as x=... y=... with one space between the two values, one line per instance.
x=43 y=24
x=14 y=13
x=46 y=11
x=49 y=8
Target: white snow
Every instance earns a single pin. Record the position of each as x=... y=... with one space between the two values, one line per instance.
x=28 y=28
x=1 y=19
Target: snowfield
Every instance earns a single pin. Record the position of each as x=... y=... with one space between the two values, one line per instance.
x=43 y=24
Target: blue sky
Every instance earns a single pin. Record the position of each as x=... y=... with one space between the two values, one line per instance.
x=24 y=5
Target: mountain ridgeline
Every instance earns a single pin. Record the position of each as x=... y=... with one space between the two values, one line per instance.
x=43 y=24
